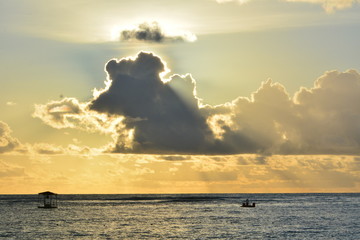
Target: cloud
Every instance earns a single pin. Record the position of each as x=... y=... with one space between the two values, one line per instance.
x=9 y=103
x=71 y=149
x=176 y=158
x=7 y=142
x=331 y=113
x=152 y=32
x=145 y=112
x=329 y=6
x=70 y=113
x=322 y=119
x=239 y=1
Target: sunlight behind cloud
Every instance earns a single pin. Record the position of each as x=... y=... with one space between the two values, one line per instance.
x=176 y=117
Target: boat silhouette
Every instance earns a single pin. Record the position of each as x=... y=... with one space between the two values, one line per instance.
x=247 y=204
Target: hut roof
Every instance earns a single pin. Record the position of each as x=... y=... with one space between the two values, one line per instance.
x=47 y=193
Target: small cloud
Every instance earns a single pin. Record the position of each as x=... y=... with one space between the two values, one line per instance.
x=153 y=32
x=7 y=142
x=71 y=149
x=173 y=169
x=10 y=103
x=47 y=149
x=176 y=158
x=239 y=1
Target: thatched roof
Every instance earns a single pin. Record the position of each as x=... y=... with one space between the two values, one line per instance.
x=47 y=193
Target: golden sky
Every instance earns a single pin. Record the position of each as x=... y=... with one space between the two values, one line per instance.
x=205 y=96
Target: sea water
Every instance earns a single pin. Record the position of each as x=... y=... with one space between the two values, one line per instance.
x=187 y=216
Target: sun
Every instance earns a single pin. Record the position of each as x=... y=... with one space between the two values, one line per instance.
x=115 y=33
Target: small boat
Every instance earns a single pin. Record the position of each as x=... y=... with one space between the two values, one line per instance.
x=247 y=204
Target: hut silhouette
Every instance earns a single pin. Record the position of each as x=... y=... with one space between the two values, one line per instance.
x=47 y=200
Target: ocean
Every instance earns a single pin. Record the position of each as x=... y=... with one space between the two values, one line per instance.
x=183 y=216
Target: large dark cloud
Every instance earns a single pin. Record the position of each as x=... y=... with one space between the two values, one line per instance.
x=152 y=32
x=161 y=119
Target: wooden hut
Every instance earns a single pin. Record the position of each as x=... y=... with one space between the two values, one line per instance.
x=47 y=200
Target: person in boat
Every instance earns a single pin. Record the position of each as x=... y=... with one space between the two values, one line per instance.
x=246 y=203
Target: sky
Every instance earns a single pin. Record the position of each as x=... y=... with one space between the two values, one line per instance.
x=182 y=96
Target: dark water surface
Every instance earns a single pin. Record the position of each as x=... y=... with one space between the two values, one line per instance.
x=184 y=216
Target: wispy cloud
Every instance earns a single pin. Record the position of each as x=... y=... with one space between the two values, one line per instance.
x=329 y=6
x=71 y=149
x=11 y=145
